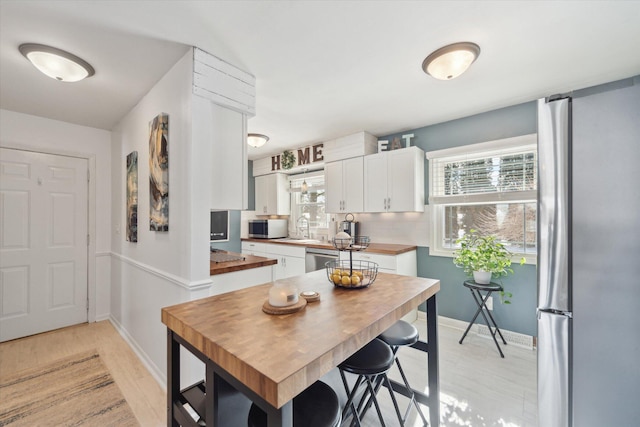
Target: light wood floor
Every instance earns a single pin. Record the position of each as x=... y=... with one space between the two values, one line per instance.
x=478 y=388
x=144 y=395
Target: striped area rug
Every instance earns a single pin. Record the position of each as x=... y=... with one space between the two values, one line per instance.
x=74 y=391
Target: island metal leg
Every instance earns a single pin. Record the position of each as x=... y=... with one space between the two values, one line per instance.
x=173 y=377
x=433 y=364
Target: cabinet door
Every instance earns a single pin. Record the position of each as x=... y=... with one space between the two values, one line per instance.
x=280 y=198
x=375 y=182
x=405 y=180
x=228 y=132
x=271 y=196
x=333 y=184
x=294 y=266
x=352 y=185
x=261 y=194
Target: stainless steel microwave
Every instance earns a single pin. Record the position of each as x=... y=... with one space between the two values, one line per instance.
x=268 y=228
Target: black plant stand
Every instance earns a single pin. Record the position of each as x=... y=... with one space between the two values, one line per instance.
x=481 y=302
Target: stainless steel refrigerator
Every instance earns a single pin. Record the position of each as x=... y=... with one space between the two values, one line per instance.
x=589 y=259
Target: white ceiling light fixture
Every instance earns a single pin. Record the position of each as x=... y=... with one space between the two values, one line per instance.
x=450 y=61
x=56 y=63
x=257 y=140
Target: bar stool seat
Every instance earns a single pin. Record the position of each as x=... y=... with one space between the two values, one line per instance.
x=371 y=363
x=400 y=334
x=317 y=406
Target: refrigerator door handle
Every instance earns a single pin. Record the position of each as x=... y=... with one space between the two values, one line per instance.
x=554 y=204
x=539 y=313
x=554 y=390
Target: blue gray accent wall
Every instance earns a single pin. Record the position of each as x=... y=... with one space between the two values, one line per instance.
x=454 y=300
x=234 y=244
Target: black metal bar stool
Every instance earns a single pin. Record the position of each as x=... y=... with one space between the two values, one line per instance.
x=481 y=302
x=400 y=334
x=317 y=406
x=371 y=363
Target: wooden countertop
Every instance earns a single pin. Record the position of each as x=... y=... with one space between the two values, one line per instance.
x=249 y=261
x=279 y=356
x=376 y=248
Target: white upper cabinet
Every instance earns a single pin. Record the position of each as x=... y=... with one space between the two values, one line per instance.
x=229 y=171
x=394 y=181
x=344 y=185
x=356 y=145
x=272 y=195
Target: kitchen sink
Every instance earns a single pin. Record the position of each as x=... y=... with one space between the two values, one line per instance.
x=295 y=240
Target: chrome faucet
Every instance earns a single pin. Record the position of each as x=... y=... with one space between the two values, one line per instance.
x=302 y=228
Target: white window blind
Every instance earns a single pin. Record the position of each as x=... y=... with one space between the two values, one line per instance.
x=483 y=177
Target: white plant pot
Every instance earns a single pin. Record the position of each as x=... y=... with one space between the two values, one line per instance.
x=482 y=277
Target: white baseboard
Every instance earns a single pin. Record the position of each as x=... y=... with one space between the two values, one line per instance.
x=101 y=317
x=515 y=338
x=156 y=373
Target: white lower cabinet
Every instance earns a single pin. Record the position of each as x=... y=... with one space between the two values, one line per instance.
x=255 y=249
x=404 y=264
x=290 y=258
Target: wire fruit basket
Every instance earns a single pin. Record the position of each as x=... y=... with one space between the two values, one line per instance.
x=351 y=274
x=359 y=243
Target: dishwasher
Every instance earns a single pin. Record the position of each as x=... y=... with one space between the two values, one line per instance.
x=316 y=258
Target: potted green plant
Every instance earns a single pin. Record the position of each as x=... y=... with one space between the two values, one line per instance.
x=484 y=257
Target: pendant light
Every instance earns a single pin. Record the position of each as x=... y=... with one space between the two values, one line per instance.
x=56 y=63
x=450 y=61
x=304 y=187
x=257 y=140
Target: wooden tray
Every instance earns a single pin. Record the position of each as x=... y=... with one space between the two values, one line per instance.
x=270 y=309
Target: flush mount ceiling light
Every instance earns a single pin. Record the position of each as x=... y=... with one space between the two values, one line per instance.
x=450 y=61
x=257 y=140
x=56 y=63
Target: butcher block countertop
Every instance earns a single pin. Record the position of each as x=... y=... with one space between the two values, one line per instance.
x=279 y=356
x=248 y=262
x=375 y=248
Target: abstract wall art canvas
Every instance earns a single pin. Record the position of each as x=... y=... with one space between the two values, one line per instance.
x=132 y=197
x=159 y=173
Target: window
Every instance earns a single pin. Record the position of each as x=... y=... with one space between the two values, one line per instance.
x=308 y=204
x=490 y=187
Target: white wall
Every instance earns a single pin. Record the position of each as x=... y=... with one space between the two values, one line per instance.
x=34 y=133
x=162 y=268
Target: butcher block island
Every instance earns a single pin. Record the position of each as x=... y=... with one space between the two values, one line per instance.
x=273 y=358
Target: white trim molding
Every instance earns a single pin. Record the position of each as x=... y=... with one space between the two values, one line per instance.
x=186 y=284
x=515 y=338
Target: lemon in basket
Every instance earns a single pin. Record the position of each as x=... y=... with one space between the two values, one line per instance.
x=355 y=280
x=346 y=280
x=336 y=278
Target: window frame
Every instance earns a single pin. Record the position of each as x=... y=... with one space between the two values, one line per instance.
x=293 y=189
x=438 y=202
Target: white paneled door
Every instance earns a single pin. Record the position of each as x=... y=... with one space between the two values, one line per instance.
x=43 y=242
